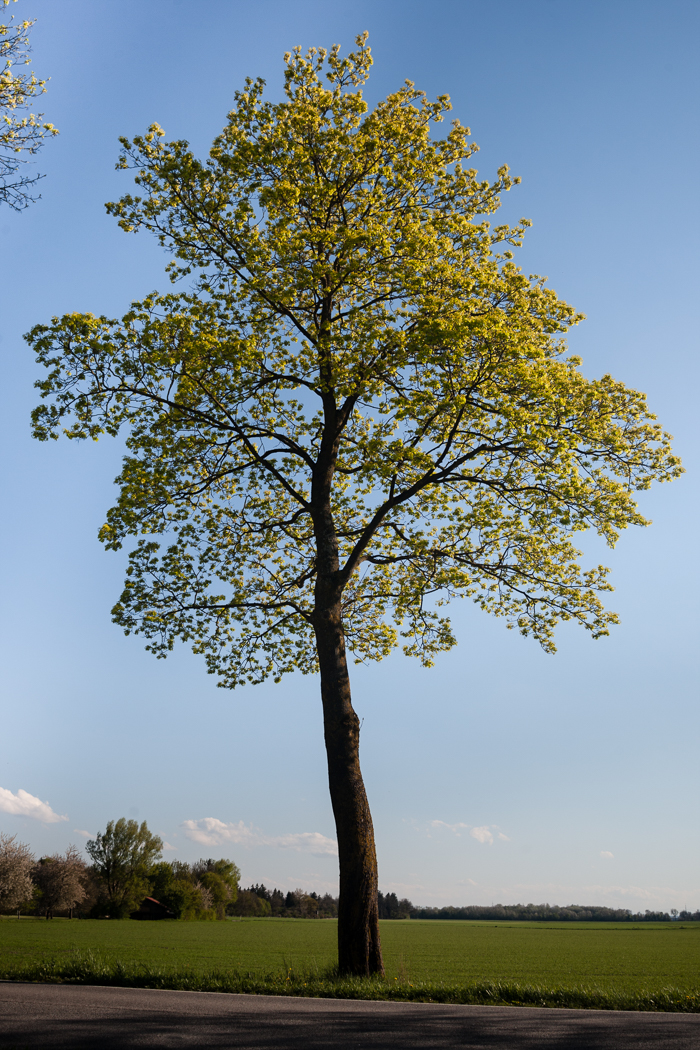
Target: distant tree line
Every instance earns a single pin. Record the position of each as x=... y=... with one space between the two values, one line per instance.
x=127 y=868
x=390 y=907
x=552 y=912
x=302 y=904
x=295 y=904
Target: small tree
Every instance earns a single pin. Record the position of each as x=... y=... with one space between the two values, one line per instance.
x=60 y=880
x=16 y=865
x=361 y=410
x=21 y=132
x=122 y=857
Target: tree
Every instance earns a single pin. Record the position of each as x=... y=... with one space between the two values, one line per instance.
x=361 y=409
x=218 y=891
x=390 y=907
x=174 y=891
x=224 y=869
x=122 y=857
x=60 y=880
x=16 y=864
x=21 y=132
x=248 y=904
x=199 y=890
x=220 y=878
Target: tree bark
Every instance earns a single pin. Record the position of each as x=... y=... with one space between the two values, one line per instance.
x=359 y=948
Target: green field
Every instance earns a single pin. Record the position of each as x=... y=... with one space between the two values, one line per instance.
x=620 y=959
x=620 y=955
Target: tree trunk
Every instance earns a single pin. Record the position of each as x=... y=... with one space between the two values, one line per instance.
x=359 y=949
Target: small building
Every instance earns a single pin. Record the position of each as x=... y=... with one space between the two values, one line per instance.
x=150 y=908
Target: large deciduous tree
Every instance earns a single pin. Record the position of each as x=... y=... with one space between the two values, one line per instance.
x=360 y=409
x=21 y=131
x=122 y=857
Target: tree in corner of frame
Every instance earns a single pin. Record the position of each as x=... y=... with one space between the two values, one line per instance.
x=21 y=132
x=360 y=409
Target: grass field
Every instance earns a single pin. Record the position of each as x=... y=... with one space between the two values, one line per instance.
x=626 y=962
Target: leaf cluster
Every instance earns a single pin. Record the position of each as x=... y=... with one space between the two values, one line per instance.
x=21 y=132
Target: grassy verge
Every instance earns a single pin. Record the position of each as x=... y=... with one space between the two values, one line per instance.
x=91 y=968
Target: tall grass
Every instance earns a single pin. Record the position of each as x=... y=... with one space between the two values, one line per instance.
x=91 y=968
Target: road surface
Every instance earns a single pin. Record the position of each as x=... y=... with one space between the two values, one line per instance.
x=81 y=1016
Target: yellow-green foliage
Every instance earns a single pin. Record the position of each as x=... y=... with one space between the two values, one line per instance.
x=21 y=131
x=359 y=367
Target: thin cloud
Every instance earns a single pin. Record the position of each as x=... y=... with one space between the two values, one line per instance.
x=614 y=896
x=456 y=828
x=25 y=805
x=482 y=834
x=85 y=834
x=606 y=853
x=306 y=842
x=212 y=832
x=168 y=848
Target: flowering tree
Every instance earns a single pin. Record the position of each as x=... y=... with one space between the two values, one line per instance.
x=361 y=409
x=60 y=880
x=16 y=864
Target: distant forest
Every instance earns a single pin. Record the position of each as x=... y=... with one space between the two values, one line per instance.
x=552 y=912
x=259 y=900
x=298 y=904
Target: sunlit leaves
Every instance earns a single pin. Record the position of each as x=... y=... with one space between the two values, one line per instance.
x=21 y=131
x=361 y=387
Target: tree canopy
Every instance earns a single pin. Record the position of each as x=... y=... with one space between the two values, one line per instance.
x=21 y=132
x=122 y=857
x=360 y=409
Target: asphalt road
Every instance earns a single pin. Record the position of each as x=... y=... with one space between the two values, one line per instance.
x=55 y=1016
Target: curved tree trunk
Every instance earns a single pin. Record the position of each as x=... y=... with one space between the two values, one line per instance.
x=359 y=949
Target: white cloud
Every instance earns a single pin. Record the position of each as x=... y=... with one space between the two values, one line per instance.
x=167 y=847
x=457 y=828
x=212 y=832
x=306 y=842
x=25 y=805
x=606 y=853
x=482 y=834
x=85 y=834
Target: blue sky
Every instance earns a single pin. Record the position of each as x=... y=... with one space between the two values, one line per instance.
x=502 y=773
